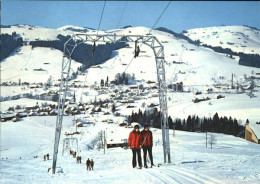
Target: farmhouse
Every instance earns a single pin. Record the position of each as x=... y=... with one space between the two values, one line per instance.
x=21 y=114
x=252 y=132
x=6 y=117
x=112 y=143
x=218 y=96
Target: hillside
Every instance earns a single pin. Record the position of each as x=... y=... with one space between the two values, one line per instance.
x=198 y=68
x=237 y=38
x=33 y=65
x=232 y=160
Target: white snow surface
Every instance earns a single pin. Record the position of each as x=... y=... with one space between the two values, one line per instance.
x=232 y=160
x=32 y=33
x=237 y=38
x=25 y=61
x=256 y=128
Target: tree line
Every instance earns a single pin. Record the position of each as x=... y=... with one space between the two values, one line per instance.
x=192 y=123
x=124 y=78
x=9 y=43
x=84 y=53
x=245 y=59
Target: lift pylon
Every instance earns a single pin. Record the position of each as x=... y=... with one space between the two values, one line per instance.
x=149 y=40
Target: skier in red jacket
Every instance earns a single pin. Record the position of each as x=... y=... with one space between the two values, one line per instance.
x=147 y=144
x=135 y=143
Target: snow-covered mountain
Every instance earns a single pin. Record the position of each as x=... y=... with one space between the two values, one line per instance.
x=199 y=65
x=237 y=38
x=31 y=33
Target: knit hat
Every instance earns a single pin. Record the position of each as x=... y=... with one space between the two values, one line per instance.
x=146 y=126
x=136 y=126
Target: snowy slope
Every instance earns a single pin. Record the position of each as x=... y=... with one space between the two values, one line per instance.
x=201 y=68
x=32 y=33
x=237 y=38
x=24 y=63
x=200 y=64
x=232 y=160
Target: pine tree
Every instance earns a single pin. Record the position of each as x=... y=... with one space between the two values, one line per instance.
x=215 y=123
x=247 y=121
x=107 y=82
x=113 y=108
x=189 y=124
x=102 y=82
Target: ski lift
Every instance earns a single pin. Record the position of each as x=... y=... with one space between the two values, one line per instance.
x=137 y=49
x=94 y=48
x=68 y=144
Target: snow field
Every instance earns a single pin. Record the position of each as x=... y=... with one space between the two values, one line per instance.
x=242 y=38
x=24 y=65
x=230 y=161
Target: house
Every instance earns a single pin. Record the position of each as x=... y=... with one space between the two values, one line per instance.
x=53 y=112
x=33 y=113
x=152 y=105
x=196 y=100
x=122 y=124
x=32 y=107
x=135 y=123
x=112 y=143
x=252 y=132
x=176 y=87
x=150 y=82
x=196 y=92
x=21 y=114
x=218 y=96
x=7 y=116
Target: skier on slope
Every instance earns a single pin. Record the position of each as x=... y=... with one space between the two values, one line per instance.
x=147 y=144
x=92 y=164
x=88 y=164
x=135 y=143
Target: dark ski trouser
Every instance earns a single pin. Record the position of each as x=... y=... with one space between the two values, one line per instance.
x=149 y=149
x=138 y=153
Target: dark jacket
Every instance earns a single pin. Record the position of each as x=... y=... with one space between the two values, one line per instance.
x=88 y=162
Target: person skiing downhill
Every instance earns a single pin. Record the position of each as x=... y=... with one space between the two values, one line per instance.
x=147 y=144
x=135 y=143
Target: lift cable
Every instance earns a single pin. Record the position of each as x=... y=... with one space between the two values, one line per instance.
x=122 y=15
x=94 y=48
x=150 y=32
x=101 y=17
x=160 y=16
x=94 y=45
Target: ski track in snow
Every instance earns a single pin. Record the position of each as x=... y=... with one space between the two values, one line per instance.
x=179 y=175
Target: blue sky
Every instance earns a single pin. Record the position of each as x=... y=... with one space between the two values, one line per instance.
x=179 y=16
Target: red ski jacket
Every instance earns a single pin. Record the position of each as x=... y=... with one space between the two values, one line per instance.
x=147 y=137
x=135 y=140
